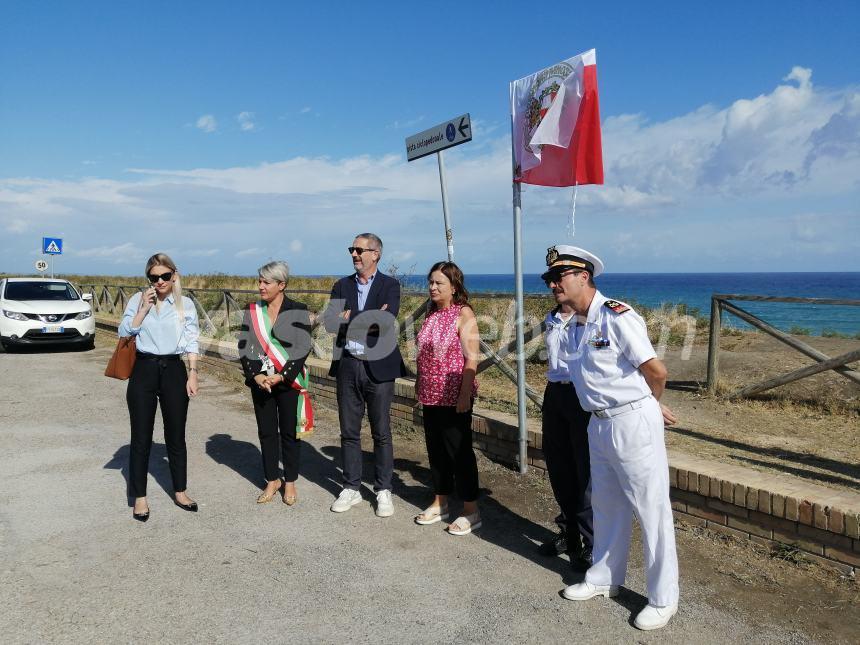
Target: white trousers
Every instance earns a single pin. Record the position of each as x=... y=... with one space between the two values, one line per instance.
x=630 y=474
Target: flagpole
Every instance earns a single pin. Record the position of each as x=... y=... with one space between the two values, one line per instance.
x=518 y=298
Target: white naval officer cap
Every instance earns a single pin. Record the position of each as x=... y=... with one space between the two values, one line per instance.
x=564 y=256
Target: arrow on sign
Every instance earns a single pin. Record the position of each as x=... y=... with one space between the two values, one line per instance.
x=463 y=126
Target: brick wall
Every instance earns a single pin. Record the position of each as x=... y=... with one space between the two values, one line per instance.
x=822 y=523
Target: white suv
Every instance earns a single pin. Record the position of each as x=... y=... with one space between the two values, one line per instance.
x=43 y=311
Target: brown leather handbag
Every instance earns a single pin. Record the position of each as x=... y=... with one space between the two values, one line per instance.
x=122 y=362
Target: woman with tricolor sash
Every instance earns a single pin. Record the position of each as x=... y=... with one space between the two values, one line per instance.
x=273 y=345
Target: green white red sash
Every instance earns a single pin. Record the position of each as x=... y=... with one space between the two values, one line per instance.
x=279 y=357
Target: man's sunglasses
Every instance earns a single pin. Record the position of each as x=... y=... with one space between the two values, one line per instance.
x=164 y=276
x=555 y=278
x=357 y=249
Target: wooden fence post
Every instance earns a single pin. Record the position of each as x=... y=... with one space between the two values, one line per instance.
x=714 y=345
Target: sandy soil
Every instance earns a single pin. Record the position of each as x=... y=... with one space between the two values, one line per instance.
x=810 y=428
x=69 y=567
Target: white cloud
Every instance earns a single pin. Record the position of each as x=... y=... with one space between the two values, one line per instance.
x=16 y=225
x=775 y=159
x=202 y=253
x=124 y=253
x=207 y=123
x=246 y=121
x=411 y=123
x=305 y=110
x=784 y=140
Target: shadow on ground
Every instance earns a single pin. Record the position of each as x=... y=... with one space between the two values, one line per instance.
x=158 y=468
x=851 y=471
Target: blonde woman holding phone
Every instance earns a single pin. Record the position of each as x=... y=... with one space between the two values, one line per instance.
x=164 y=325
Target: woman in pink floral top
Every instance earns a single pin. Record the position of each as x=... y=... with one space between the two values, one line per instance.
x=446 y=386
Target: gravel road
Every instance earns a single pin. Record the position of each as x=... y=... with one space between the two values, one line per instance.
x=76 y=567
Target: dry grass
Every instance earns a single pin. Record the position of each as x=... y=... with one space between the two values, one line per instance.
x=669 y=327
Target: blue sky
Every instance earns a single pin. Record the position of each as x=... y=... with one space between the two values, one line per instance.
x=229 y=134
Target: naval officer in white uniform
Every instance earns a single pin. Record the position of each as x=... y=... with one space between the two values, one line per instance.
x=619 y=379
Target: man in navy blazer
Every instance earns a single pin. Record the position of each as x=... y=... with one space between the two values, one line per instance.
x=362 y=312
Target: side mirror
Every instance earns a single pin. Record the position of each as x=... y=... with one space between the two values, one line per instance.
x=87 y=297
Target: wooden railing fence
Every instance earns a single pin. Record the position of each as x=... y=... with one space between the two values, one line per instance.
x=720 y=303
x=226 y=316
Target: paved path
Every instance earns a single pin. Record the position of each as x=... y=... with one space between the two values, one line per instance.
x=76 y=568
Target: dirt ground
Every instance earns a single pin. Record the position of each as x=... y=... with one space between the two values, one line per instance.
x=786 y=600
x=809 y=429
x=739 y=576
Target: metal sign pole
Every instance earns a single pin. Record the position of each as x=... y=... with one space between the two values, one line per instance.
x=52 y=266
x=449 y=234
x=521 y=359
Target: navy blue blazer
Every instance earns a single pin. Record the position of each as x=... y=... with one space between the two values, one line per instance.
x=384 y=290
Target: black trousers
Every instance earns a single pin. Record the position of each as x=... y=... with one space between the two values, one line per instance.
x=276 y=427
x=448 y=434
x=157 y=380
x=565 y=448
x=355 y=391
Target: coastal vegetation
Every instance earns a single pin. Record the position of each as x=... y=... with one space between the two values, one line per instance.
x=678 y=332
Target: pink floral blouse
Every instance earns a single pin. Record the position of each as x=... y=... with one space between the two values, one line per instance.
x=440 y=359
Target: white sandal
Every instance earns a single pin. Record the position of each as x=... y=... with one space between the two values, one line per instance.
x=431 y=515
x=470 y=522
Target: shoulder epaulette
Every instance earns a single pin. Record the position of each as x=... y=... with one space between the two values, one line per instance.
x=617 y=307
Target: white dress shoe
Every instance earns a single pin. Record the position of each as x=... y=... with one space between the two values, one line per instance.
x=586 y=590
x=654 y=617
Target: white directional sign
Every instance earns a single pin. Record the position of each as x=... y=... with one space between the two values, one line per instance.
x=41 y=266
x=52 y=245
x=445 y=135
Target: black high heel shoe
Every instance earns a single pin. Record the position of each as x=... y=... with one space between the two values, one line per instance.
x=192 y=507
x=140 y=517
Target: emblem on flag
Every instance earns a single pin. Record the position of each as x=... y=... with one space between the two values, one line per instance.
x=556 y=123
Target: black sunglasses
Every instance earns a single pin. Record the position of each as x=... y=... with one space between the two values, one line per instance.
x=357 y=249
x=164 y=276
x=555 y=278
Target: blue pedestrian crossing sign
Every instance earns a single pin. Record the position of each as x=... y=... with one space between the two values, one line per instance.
x=52 y=245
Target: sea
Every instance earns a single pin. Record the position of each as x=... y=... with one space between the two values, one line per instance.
x=695 y=289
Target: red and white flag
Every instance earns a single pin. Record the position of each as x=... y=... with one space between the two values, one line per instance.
x=556 y=124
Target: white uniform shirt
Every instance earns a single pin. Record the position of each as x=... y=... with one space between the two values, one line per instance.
x=558 y=345
x=604 y=364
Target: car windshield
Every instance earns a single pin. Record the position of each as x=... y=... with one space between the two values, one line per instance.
x=40 y=291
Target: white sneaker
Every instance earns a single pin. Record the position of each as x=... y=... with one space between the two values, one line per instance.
x=346 y=500
x=653 y=617
x=384 y=505
x=586 y=590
